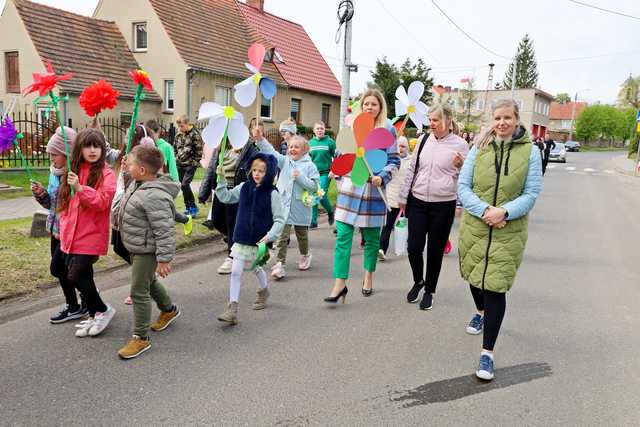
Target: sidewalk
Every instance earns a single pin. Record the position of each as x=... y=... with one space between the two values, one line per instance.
x=26 y=206
x=623 y=165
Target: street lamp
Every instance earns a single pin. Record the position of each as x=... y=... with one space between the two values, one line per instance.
x=573 y=112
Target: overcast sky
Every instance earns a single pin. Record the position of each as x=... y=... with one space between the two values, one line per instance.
x=579 y=49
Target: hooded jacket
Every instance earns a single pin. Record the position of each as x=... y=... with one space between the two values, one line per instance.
x=145 y=218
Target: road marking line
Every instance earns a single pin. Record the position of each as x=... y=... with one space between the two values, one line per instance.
x=609 y=171
x=570 y=168
x=589 y=170
x=551 y=167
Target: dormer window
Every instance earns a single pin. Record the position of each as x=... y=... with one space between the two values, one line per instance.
x=273 y=56
x=140 y=36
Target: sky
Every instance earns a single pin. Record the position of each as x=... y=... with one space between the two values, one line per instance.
x=579 y=50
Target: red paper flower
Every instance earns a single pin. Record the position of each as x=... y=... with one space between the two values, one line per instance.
x=44 y=83
x=97 y=97
x=141 y=78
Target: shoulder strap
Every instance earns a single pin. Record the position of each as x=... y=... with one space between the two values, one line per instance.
x=415 y=169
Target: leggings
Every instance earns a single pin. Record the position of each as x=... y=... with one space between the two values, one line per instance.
x=236 y=278
x=58 y=268
x=432 y=219
x=493 y=304
x=80 y=273
x=392 y=215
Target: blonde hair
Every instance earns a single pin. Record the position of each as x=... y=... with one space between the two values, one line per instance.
x=302 y=140
x=319 y=122
x=446 y=113
x=402 y=140
x=381 y=120
x=183 y=119
x=485 y=140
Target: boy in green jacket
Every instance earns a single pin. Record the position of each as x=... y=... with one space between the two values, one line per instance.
x=322 y=151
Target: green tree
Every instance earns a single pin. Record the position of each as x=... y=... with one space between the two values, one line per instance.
x=629 y=94
x=605 y=122
x=467 y=100
x=387 y=77
x=526 y=67
x=563 y=98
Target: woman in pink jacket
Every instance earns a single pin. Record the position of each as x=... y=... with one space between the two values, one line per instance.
x=85 y=206
x=429 y=198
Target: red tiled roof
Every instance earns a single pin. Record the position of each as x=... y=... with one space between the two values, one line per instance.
x=304 y=67
x=563 y=111
x=210 y=35
x=92 y=49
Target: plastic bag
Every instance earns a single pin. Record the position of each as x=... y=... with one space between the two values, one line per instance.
x=400 y=236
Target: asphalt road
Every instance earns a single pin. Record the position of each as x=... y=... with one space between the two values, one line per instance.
x=567 y=354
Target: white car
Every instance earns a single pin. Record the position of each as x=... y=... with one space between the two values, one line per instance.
x=559 y=153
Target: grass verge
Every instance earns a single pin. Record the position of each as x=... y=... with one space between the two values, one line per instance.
x=21 y=180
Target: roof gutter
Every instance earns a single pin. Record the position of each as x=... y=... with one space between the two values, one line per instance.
x=190 y=74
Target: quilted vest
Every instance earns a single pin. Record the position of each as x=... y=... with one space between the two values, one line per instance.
x=489 y=257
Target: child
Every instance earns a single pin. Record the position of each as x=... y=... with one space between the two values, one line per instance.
x=48 y=199
x=322 y=151
x=260 y=220
x=288 y=130
x=145 y=219
x=297 y=174
x=188 y=148
x=84 y=223
x=393 y=189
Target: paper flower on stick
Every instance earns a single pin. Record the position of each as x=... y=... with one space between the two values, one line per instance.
x=246 y=90
x=364 y=147
x=97 y=97
x=44 y=83
x=409 y=104
x=223 y=121
x=141 y=77
x=141 y=80
x=8 y=134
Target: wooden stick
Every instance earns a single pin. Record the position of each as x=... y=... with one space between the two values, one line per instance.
x=384 y=199
x=258 y=104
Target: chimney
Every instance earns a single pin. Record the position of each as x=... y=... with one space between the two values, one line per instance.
x=256 y=4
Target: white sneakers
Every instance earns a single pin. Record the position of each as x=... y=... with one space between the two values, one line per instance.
x=381 y=255
x=278 y=271
x=305 y=262
x=95 y=326
x=225 y=268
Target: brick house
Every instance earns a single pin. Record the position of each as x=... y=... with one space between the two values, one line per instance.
x=561 y=121
x=195 y=52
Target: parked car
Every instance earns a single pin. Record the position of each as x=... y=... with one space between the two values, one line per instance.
x=572 y=145
x=559 y=153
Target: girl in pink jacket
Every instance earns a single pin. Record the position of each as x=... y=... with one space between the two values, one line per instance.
x=85 y=204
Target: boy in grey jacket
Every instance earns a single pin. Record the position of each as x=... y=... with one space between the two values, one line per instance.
x=146 y=223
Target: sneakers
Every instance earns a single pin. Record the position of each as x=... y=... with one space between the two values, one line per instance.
x=165 y=319
x=427 y=301
x=381 y=255
x=134 y=348
x=101 y=321
x=83 y=328
x=414 y=293
x=225 y=268
x=485 y=367
x=188 y=227
x=278 y=271
x=65 y=315
x=128 y=301
x=304 y=263
x=262 y=295
x=313 y=226
x=475 y=326
x=209 y=224
x=230 y=315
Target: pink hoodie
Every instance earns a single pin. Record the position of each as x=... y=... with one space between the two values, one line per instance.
x=436 y=179
x=84 y=226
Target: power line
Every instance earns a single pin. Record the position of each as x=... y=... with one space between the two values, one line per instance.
x=604 y=10
x=467 y=34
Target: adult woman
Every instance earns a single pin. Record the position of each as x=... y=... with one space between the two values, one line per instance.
x=429 y=197
x=498 y=186
x=362 y=207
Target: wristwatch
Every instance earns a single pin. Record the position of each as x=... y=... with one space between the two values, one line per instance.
x=506 y=213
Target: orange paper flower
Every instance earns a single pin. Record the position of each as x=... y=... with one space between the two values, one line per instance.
x=44 y=83
x=97 y=97
x=141 y=78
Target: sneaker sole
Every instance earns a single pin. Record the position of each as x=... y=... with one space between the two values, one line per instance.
x=229 y=322
x=168 y=323
x=260 y=307
x=66 y=319
x=224 y=273
x=135 y=355
x=471 y=331
x=426 y=308
x=484 y=375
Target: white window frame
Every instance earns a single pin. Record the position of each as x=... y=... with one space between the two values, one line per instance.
x=262 y=104
x=227 y=95
x=480 y=104
x=298 y=120
x=135 y=36
x=167 y=96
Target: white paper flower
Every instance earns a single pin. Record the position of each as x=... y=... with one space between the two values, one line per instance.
x=410 y=103
x=223 y=121
x=246 y=91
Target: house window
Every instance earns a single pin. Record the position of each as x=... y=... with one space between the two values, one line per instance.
x=480 y=104
x=169 y=95
x=125 y=120
x=324 y=114
x=140 y=36
x=546 y=109
x=1 y=108
x=223 y=95
x=296 y=105
x=12 y=72
x=566 y=124
x=266 y=107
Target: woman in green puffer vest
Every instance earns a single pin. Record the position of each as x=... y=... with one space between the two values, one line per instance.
x=498 y=186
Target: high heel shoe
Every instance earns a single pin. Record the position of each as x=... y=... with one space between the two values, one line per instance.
x=342 y=294
x=366 y=292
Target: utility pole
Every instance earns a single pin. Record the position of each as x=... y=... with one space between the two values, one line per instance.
x=573 y=115
x=486 y=92
x=345 y=16
x=513 y=77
